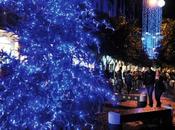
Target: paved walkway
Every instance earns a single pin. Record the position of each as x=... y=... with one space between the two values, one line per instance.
x=168 y=99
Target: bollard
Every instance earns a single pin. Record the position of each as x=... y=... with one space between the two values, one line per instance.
x=114 y=121
x=142 y=102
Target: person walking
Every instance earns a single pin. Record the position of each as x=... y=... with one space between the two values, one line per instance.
x=149 y=81
x=159 y=87
x=120 y=80
x=128 y=81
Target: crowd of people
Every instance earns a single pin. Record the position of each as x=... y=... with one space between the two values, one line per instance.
x=150 y=78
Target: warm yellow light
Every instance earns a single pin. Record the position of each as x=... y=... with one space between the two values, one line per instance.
x=9 y=43
x=152 y=3
x=156 y=3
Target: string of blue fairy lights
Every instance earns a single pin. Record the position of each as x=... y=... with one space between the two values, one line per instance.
x=47 y=90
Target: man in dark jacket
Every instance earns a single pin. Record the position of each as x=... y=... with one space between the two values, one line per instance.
x=149 y=80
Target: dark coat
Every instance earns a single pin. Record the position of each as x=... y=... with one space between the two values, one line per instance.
x=149 y=77
x=128 y=79
x=159 y=85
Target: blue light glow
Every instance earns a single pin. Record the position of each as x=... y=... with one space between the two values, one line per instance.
x=151 y=29
x=48 y=90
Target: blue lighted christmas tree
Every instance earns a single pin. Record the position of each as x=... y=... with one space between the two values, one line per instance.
x=60 y=82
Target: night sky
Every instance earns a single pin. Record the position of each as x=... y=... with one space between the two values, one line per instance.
x=169 y=9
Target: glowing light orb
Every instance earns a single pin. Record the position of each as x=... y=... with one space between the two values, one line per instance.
x=152 y=3
x=156 y=3
x=161 y=3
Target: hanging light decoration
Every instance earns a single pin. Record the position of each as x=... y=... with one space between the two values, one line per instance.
x=151 y=26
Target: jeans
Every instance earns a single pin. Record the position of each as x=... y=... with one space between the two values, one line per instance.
x=150 y=89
